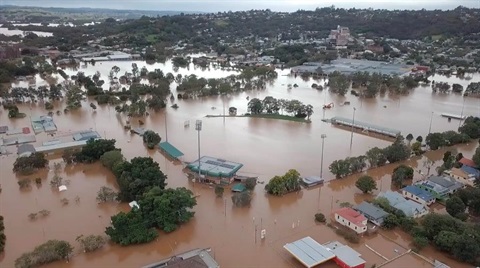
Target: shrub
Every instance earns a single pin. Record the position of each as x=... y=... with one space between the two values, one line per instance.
x=319 y=217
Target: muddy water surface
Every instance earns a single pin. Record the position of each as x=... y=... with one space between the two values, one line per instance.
x=265 y=147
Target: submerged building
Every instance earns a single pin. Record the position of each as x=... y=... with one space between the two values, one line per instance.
x=197 y=258
x=215 y=170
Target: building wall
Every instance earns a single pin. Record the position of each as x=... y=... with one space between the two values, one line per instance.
x=461 y=179
x=344 y=265
x=345 y=222
x=416 y=198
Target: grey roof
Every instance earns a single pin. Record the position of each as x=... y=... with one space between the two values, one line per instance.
x=371 y=211
x=86 y=135
x=446 y=182
x=215 y=167
x=18 y=140
x=366 y=126
x=25 y=148
x=309 y=252
x=200 y=258
x=60 y=146
x=345 y=253
x=409 y=207
x=3 y=129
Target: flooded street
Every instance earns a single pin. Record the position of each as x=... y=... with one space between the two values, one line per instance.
x=265 y=147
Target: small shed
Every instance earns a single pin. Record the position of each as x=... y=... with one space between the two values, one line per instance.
x=238 y=188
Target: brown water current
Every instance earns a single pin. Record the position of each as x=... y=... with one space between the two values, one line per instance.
x=265 y=147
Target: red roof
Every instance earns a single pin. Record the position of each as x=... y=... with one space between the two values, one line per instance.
x=467 y=162
x=352 y=216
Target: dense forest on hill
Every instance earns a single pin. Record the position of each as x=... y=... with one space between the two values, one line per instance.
x=209 y=29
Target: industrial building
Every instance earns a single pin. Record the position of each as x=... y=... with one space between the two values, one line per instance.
x=311 y=253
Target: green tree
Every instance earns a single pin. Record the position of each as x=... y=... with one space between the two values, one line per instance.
x=319 y=217
x=435 y=140
x=409 y=137
x=400 y=174
x=242 y=199
x=255 y=106
x=419 y=139
x=91 y=243
x=250 y=183
x=471 y=127
x=29 y=164
x=111 y=158
x=390 y=222
x=3 y=238
x=376 y=157
x=94 y=149
x=167 y=209
x=417 y=148
x=280 y=185
x=467 y=248
x=445 y=240
x=476 y=157
x=420 y=242
x=130 y=228
x=137 y=177
x=340 y=168
x=398 y=151
x=106 y=194
x=455 y=206
x=151 y=138
x=219 y=190
x=366 y=184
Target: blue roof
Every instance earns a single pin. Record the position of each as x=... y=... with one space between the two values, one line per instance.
x=471 y=170
x=415 y=190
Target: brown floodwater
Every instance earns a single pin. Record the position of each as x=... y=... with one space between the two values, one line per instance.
x=265 y=147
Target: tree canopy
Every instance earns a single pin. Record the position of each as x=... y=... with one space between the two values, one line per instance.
x=130 y=228
x=137 y=177
x=151 y=138
x=94 y=149
x=401 y=174
x=28 y=164
x=366 y=184
x=280 y=185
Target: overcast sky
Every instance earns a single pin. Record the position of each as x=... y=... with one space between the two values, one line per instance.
x=235 y=5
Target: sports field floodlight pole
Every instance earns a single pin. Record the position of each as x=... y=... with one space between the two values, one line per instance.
x=198 y=128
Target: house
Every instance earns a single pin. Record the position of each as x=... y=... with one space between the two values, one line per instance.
x=352 y=219
x=86 y=135
x=196 y=258
x=440 y=187
x=345 y=256
x=418 y=195
x=467 y=162
x=465 y=175
x=409 y=207
x=25 y=150
x=374 y=214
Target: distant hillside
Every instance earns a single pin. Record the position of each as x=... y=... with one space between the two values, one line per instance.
x=41 y=14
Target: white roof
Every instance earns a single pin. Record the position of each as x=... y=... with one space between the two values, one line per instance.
x=62 y=188
x=309 y=252
x=134 y=204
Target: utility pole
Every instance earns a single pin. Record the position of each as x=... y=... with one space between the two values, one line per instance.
x=461 y=114
x=353 y=125
x=166 y=128
x=430 y=127
x=198 y=128
x=323 y=136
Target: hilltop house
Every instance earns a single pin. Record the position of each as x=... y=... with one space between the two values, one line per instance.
x=440 y=187
x=373 y=213
x=352 y=219
x=465 y=175
x=418 y=195
x=410 y=208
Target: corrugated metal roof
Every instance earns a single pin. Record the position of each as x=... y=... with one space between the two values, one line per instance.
x=170 y=149
x=345 y=253
x=309 y=252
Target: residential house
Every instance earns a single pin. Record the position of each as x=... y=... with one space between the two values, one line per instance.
x=418 y=195
x=373 y=213
x=467 y=162
x=440 y=187
x=352 y=219
x=409 y=207
x=466 y=174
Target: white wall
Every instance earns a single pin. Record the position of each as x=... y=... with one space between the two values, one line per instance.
x=350 y=225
